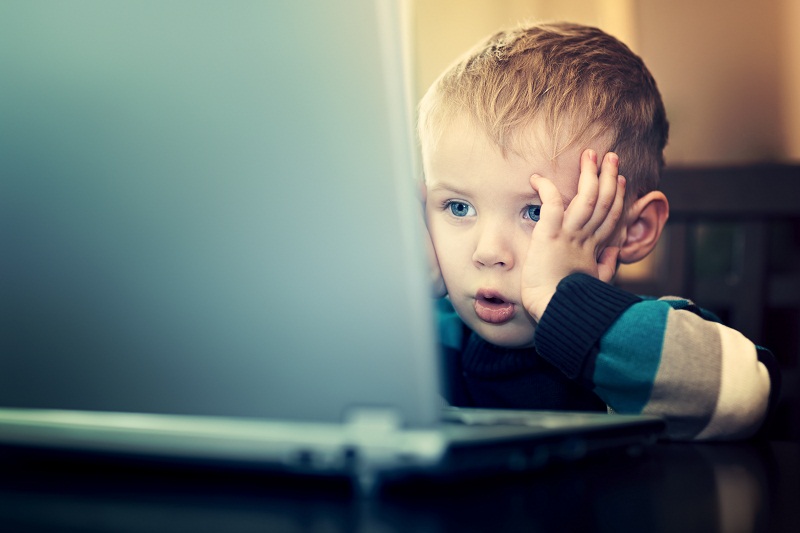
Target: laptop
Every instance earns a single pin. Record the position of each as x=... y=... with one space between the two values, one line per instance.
x=211 y=247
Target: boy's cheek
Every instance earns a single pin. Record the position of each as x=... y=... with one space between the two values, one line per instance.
x=448 y=263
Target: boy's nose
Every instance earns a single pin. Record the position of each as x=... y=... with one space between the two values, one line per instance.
x=493 y=248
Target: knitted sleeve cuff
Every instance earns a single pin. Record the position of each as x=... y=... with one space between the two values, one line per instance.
x=580 y=312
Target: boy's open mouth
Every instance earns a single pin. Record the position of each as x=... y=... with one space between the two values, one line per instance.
x=492 y=308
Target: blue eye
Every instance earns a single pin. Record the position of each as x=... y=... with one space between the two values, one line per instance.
x=533 y=212
x=461 y=209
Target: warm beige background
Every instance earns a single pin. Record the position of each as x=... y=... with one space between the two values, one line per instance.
x=728 y=70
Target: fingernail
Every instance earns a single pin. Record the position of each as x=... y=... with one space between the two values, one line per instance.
x=614 y=158
x=592 y=155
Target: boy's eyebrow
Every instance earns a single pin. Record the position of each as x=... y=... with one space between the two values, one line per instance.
x=533 y=195
x=448 y=188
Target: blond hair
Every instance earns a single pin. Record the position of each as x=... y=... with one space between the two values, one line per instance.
x=576 y=80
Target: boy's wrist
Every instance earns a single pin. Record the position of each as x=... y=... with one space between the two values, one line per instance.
x=577 y=316
x=536 y=302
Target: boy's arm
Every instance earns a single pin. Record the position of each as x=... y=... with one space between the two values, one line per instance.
x=664 y=357
x=640 y=356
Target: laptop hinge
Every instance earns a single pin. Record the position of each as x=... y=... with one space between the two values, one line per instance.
x=372 y=432
x=373 y=420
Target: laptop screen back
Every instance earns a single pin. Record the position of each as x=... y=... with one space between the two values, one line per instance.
x=207 y=208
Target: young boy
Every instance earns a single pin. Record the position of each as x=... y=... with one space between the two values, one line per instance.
x=525 y=142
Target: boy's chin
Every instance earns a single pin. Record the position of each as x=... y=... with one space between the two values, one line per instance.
x=506 y=336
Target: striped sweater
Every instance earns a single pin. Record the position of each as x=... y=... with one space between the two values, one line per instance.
x=600 y=348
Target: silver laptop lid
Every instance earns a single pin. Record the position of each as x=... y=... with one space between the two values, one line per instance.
x=207 y=208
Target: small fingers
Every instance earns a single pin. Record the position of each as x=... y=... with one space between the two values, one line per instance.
x=582 y=206
x=609 y=171
x=607 y=263
x=552 y=212
x=609 y=223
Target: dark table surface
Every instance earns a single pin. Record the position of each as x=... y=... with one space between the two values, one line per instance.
x=682 y=487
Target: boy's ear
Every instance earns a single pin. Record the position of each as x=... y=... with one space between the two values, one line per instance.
x=644 y=222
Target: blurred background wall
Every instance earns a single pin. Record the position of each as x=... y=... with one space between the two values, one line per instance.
x=728 y=70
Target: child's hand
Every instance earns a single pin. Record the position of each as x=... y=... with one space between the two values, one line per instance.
x=576 y=239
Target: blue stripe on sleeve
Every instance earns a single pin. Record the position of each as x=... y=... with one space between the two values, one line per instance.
x=629 y=357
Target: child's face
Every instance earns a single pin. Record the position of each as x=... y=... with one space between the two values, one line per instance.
x=480 y=211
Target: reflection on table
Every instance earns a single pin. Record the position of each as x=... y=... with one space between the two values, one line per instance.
x=671 y=487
